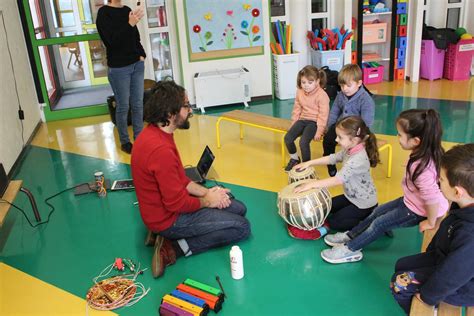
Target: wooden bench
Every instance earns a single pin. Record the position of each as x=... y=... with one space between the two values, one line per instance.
x=419 y=308
x=10 y=194
x=278 y=125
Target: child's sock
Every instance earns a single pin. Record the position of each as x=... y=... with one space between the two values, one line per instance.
x=294 y=156
x=323 y=230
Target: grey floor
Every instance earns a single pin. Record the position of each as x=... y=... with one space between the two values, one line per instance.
x=79 y=97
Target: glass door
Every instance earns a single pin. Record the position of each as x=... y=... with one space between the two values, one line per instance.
x=52 y=82
x=94 y=50
x=160 y=50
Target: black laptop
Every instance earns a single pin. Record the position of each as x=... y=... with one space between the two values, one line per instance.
x=198 y=174
x=3 y=180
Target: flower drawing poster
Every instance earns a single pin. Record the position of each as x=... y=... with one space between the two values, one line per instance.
x=216 y=25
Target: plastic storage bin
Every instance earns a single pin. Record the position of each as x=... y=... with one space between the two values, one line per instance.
x=285 y=71
x=334 y=59
x=374 y=33
x=431 y=61
x=457 y=63
x=372 y=74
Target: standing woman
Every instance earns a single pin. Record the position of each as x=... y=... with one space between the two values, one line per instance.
x=117 y=28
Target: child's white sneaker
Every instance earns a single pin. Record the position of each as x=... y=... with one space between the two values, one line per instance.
x=341 y=254
x=336 y=239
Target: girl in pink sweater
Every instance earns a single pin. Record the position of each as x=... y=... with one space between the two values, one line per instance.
x=310 y=114
x=419 y=131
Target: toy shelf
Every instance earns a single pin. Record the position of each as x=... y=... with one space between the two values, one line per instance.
x=377 y=14
x=381 y=36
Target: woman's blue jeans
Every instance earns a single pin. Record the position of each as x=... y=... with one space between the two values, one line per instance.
x=386 y=217
x=127 y=84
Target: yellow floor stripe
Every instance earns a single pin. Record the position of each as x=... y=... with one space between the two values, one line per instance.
x=22 y=294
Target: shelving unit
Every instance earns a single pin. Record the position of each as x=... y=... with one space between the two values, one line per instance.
x=400 y=31
x=378 y=42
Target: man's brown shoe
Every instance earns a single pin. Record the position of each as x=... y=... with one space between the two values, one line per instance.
x=150 y=238
x=163 y=256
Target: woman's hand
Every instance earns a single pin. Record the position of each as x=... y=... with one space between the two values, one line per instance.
x=142 y=58
x=317 y=137
x=135 y=16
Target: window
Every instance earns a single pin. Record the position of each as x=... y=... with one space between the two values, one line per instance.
x=318 y=6
x=453 y=17
x=319 y=14
x=280 y=11
x=277 y=7
x=454 y=13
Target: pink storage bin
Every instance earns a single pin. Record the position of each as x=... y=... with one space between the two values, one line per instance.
x=431 y=61
x=372 y=75
x=457 y=63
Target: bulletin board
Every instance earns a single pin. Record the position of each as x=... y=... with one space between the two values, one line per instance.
x=222 y=29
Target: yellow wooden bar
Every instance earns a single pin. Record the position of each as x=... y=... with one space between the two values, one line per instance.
x=277 y=125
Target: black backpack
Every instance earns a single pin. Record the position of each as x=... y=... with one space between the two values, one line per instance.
x=441 y=37
x=332 y=86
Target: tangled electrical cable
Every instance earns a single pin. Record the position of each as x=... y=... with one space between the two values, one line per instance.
x=47 y=203
x=121 y=290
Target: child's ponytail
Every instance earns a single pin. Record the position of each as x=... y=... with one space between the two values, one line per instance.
x=372 y=149
x=426 y=125
x=322 y=78
x=355 y=126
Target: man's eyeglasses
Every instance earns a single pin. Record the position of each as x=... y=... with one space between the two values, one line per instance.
x=187 y=105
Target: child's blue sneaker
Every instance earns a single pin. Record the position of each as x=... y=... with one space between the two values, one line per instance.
x=336 y=239
x=341 y=254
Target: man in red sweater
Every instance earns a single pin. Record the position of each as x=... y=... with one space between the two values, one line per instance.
x=187 y=217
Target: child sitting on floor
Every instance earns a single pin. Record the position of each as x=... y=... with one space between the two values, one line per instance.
x=359 y=153
x=419 y=131
x=445 y=272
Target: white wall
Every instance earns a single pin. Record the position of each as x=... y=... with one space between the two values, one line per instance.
x=259 y=66
x=10 y=126
x=437 y=14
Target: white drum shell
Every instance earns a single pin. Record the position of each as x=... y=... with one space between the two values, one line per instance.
x=306 y=210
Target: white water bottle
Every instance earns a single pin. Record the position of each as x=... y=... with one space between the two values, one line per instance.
x=236 y=263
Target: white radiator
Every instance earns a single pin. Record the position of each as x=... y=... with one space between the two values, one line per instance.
x=222 y=87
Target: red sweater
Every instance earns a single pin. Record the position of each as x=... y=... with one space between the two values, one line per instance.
x=159 y=179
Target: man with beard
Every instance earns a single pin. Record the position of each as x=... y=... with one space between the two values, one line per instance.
x=187 y=217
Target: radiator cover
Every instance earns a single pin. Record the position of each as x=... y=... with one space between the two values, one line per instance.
x=220 y=87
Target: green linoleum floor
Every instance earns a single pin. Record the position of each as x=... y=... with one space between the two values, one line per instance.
x=283 y=276
x=457 y=116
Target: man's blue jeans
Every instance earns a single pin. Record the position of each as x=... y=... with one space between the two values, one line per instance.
x=127 y=84
x=209 y=228
x=386 y=217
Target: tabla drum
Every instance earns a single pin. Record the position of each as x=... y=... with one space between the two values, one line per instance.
x=296 y=175
x=305 y=210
